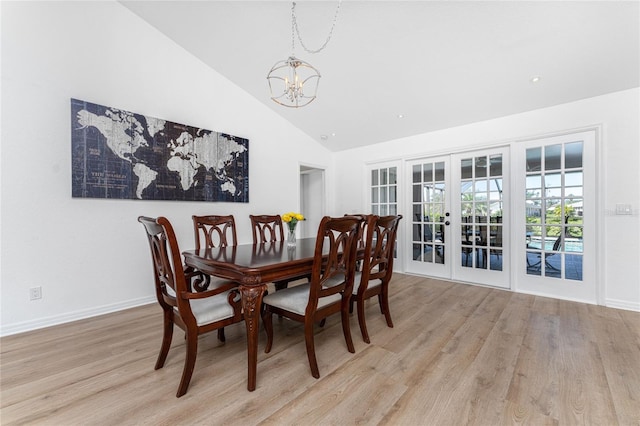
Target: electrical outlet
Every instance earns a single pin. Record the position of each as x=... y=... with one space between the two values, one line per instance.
x=35 y=293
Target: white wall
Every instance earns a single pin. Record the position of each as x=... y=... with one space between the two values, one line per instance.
x=617 y=113
x=90 y=256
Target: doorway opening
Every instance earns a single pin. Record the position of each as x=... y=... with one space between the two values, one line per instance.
x=312 y=199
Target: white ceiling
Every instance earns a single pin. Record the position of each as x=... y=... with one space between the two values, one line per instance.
x=439 y=63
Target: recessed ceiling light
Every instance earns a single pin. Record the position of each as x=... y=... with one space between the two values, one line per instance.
x=400 y=115
x=535 y=79
x=333 y=135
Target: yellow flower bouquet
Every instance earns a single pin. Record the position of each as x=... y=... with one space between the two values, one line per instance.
x=292 y=219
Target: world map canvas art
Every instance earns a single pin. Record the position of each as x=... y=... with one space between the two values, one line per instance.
x=124 y=155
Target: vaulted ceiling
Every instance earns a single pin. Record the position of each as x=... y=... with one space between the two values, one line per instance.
x=439 y=64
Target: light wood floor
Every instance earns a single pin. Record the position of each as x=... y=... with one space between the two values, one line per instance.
x=458 y=354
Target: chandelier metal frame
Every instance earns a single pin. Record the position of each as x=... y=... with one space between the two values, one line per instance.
x=293 y=83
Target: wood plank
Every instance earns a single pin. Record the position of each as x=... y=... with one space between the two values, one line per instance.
x=616 y=338
x=360 y=387
x=434 y=388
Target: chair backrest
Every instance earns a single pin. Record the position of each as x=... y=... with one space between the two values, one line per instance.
x=170 y=280
x=379 y=248
x=214 y=231
x=334 y=259
x=363 y=227
x=266 y=228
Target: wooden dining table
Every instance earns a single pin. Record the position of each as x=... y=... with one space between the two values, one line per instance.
x=253 y=266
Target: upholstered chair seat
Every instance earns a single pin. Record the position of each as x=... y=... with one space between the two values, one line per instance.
x=295 y=299
x=212 y=309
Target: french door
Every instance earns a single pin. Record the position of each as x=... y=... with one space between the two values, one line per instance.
x=428 y=242
x=459 y=217
x=520 y=217
x=556 y=217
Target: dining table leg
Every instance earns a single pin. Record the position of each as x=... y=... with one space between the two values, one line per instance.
x=251 y=303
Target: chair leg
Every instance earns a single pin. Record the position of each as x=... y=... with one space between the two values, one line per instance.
x=221 y=334
x=311 y=351
x=189 y=362
x=267 y=320
x=362 y=322
x=166 y=339
x=346 y=329
x=383 y=297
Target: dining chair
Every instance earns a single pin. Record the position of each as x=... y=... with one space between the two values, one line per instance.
x=195 y=312
x=266 y=228
x=377 y=268
x=270 y=229
x=211 y=231
x=214 y=231
x=329 y=290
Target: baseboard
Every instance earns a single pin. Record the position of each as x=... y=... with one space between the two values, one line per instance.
x=9 y=329
x=622 y=304
x=22 y=327
x=609 y=303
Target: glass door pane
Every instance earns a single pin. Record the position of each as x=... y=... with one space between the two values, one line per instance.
x=554 y=214
x=383 y=195
x=384 y=191
x=429 y=204
x=481 y=207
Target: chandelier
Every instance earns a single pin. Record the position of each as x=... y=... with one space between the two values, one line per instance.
x=293 y=83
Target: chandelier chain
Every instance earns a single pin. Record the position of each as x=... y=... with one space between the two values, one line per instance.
x=296 y=30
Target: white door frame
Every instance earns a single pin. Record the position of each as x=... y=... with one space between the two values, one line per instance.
x=313 y=203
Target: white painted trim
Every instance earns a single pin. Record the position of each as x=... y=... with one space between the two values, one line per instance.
x=555 y=296
x=622 y=304
x=610 y=303
x=600 y=198
x=25 y=326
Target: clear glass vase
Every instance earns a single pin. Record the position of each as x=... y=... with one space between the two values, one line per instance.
x=291 y=238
